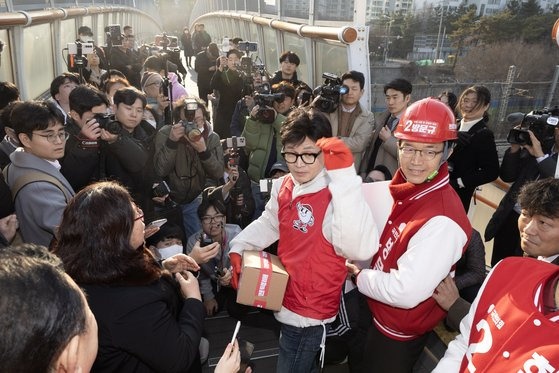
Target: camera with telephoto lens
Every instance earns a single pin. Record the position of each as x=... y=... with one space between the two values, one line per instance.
x=265 y=114
x=542 y=123
x=190 y=128
x=329 y=94
x=108 y=123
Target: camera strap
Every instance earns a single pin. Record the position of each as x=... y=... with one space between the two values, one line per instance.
x=88 y=144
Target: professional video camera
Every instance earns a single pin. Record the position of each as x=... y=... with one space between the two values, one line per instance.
x=109 y=123
x=190 y=128
x=328 y=94
x=541 y=122
x=265 y=114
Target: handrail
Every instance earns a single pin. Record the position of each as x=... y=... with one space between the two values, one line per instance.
x=346 y=34
x=486 y=201
x=8 y=19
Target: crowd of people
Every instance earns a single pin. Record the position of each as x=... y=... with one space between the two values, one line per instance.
x=124 y=143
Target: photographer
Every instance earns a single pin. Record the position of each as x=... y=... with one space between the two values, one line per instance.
x=80 y=165
x=352 y=122
x=237 y=192
x=129 y=158
x=244 y=107
x=521 y=164
x=262 y=145
x=185 y=162
x=215 y=274
x=227 y=81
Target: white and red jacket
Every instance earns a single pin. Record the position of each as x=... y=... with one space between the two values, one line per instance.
x=344 y=230
x=425 y=235
x=507 y=329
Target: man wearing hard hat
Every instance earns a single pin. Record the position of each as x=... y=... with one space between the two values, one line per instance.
x=425 y=235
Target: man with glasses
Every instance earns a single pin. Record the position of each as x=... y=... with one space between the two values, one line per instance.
x=425 y=235
x=39 y=189
x=319 y=215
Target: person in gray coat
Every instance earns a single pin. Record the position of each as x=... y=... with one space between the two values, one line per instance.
x=41 y=192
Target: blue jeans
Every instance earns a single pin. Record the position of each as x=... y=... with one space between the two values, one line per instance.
x=190 y=220
x=259 y=202
x=299 y=349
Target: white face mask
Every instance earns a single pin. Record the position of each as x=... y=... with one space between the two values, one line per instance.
x=169 y=251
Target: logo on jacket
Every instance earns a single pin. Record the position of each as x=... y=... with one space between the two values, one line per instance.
x=306 y=218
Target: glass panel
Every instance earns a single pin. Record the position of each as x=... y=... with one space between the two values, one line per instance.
x=37 y=44
x=31 y=4
x=330 y=58
x=295 y=8
x=101 y=23
x=87 y=21
x=296 y=44
x=334 y=10
x=271 y=49
x=231 y=5
x=68 y=34
x=252 y=5
x=253 y=28
x=269 y=6
x=3 y=6
x=240 y=4
x=6 y=72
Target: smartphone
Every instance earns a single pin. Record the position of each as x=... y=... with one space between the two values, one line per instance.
x=157 y=223
x=246 y=348
x=237 y=327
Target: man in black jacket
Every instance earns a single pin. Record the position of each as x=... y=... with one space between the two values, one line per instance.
x=521 y=164
x=289 y=61
x=205 y=68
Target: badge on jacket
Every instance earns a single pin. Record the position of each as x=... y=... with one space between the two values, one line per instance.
x=306 y=218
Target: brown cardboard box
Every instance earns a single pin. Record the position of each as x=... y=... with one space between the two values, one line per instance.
x=263 y=281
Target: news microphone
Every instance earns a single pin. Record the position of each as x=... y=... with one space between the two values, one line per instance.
x=515 y=118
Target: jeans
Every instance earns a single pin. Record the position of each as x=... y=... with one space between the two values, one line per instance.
x=299 y=349
x=259 y=202
x=190 y=219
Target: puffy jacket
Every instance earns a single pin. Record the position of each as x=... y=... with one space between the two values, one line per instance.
x=183 y=168
x=259 y=137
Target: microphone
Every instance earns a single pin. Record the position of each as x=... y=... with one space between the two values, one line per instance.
x=515 y=118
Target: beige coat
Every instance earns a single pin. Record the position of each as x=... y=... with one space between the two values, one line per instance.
x=388 y=152
x=360 y=135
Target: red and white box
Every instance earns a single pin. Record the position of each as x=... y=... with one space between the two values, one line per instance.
x=263 y=281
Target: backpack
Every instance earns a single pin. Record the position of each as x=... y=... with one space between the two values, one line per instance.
x=33 y=177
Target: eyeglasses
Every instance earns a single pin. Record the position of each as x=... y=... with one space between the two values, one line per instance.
x=139 y=212
x=53 y=137
x=212 y=219
x=307 y=158
x=409 y=152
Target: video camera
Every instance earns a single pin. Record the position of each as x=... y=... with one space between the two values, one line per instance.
x=329 y=94
x=190 y=128
x=541 y=122
x=108 y=123
x=263 y=99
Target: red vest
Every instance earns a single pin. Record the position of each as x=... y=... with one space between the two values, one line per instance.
x=414 y=205
x=316 y=272
x=509 y=332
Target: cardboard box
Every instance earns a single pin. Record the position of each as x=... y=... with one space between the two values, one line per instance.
x=263 y=281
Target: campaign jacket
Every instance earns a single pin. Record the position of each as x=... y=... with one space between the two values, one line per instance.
x=506 y=329
x=425 y=235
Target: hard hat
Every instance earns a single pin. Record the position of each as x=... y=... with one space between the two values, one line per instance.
x=555 y=32
x=428 y=120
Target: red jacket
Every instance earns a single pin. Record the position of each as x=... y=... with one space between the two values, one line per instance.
x=316 y=272
x=509 y=332
x=414 y=205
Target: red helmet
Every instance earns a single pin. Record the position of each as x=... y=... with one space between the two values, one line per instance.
x=427 y=120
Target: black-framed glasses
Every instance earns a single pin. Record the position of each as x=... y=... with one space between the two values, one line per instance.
x=52 y=137
x=139 y=212
x=409 y=152
x=307 y=158
x=213 y=219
